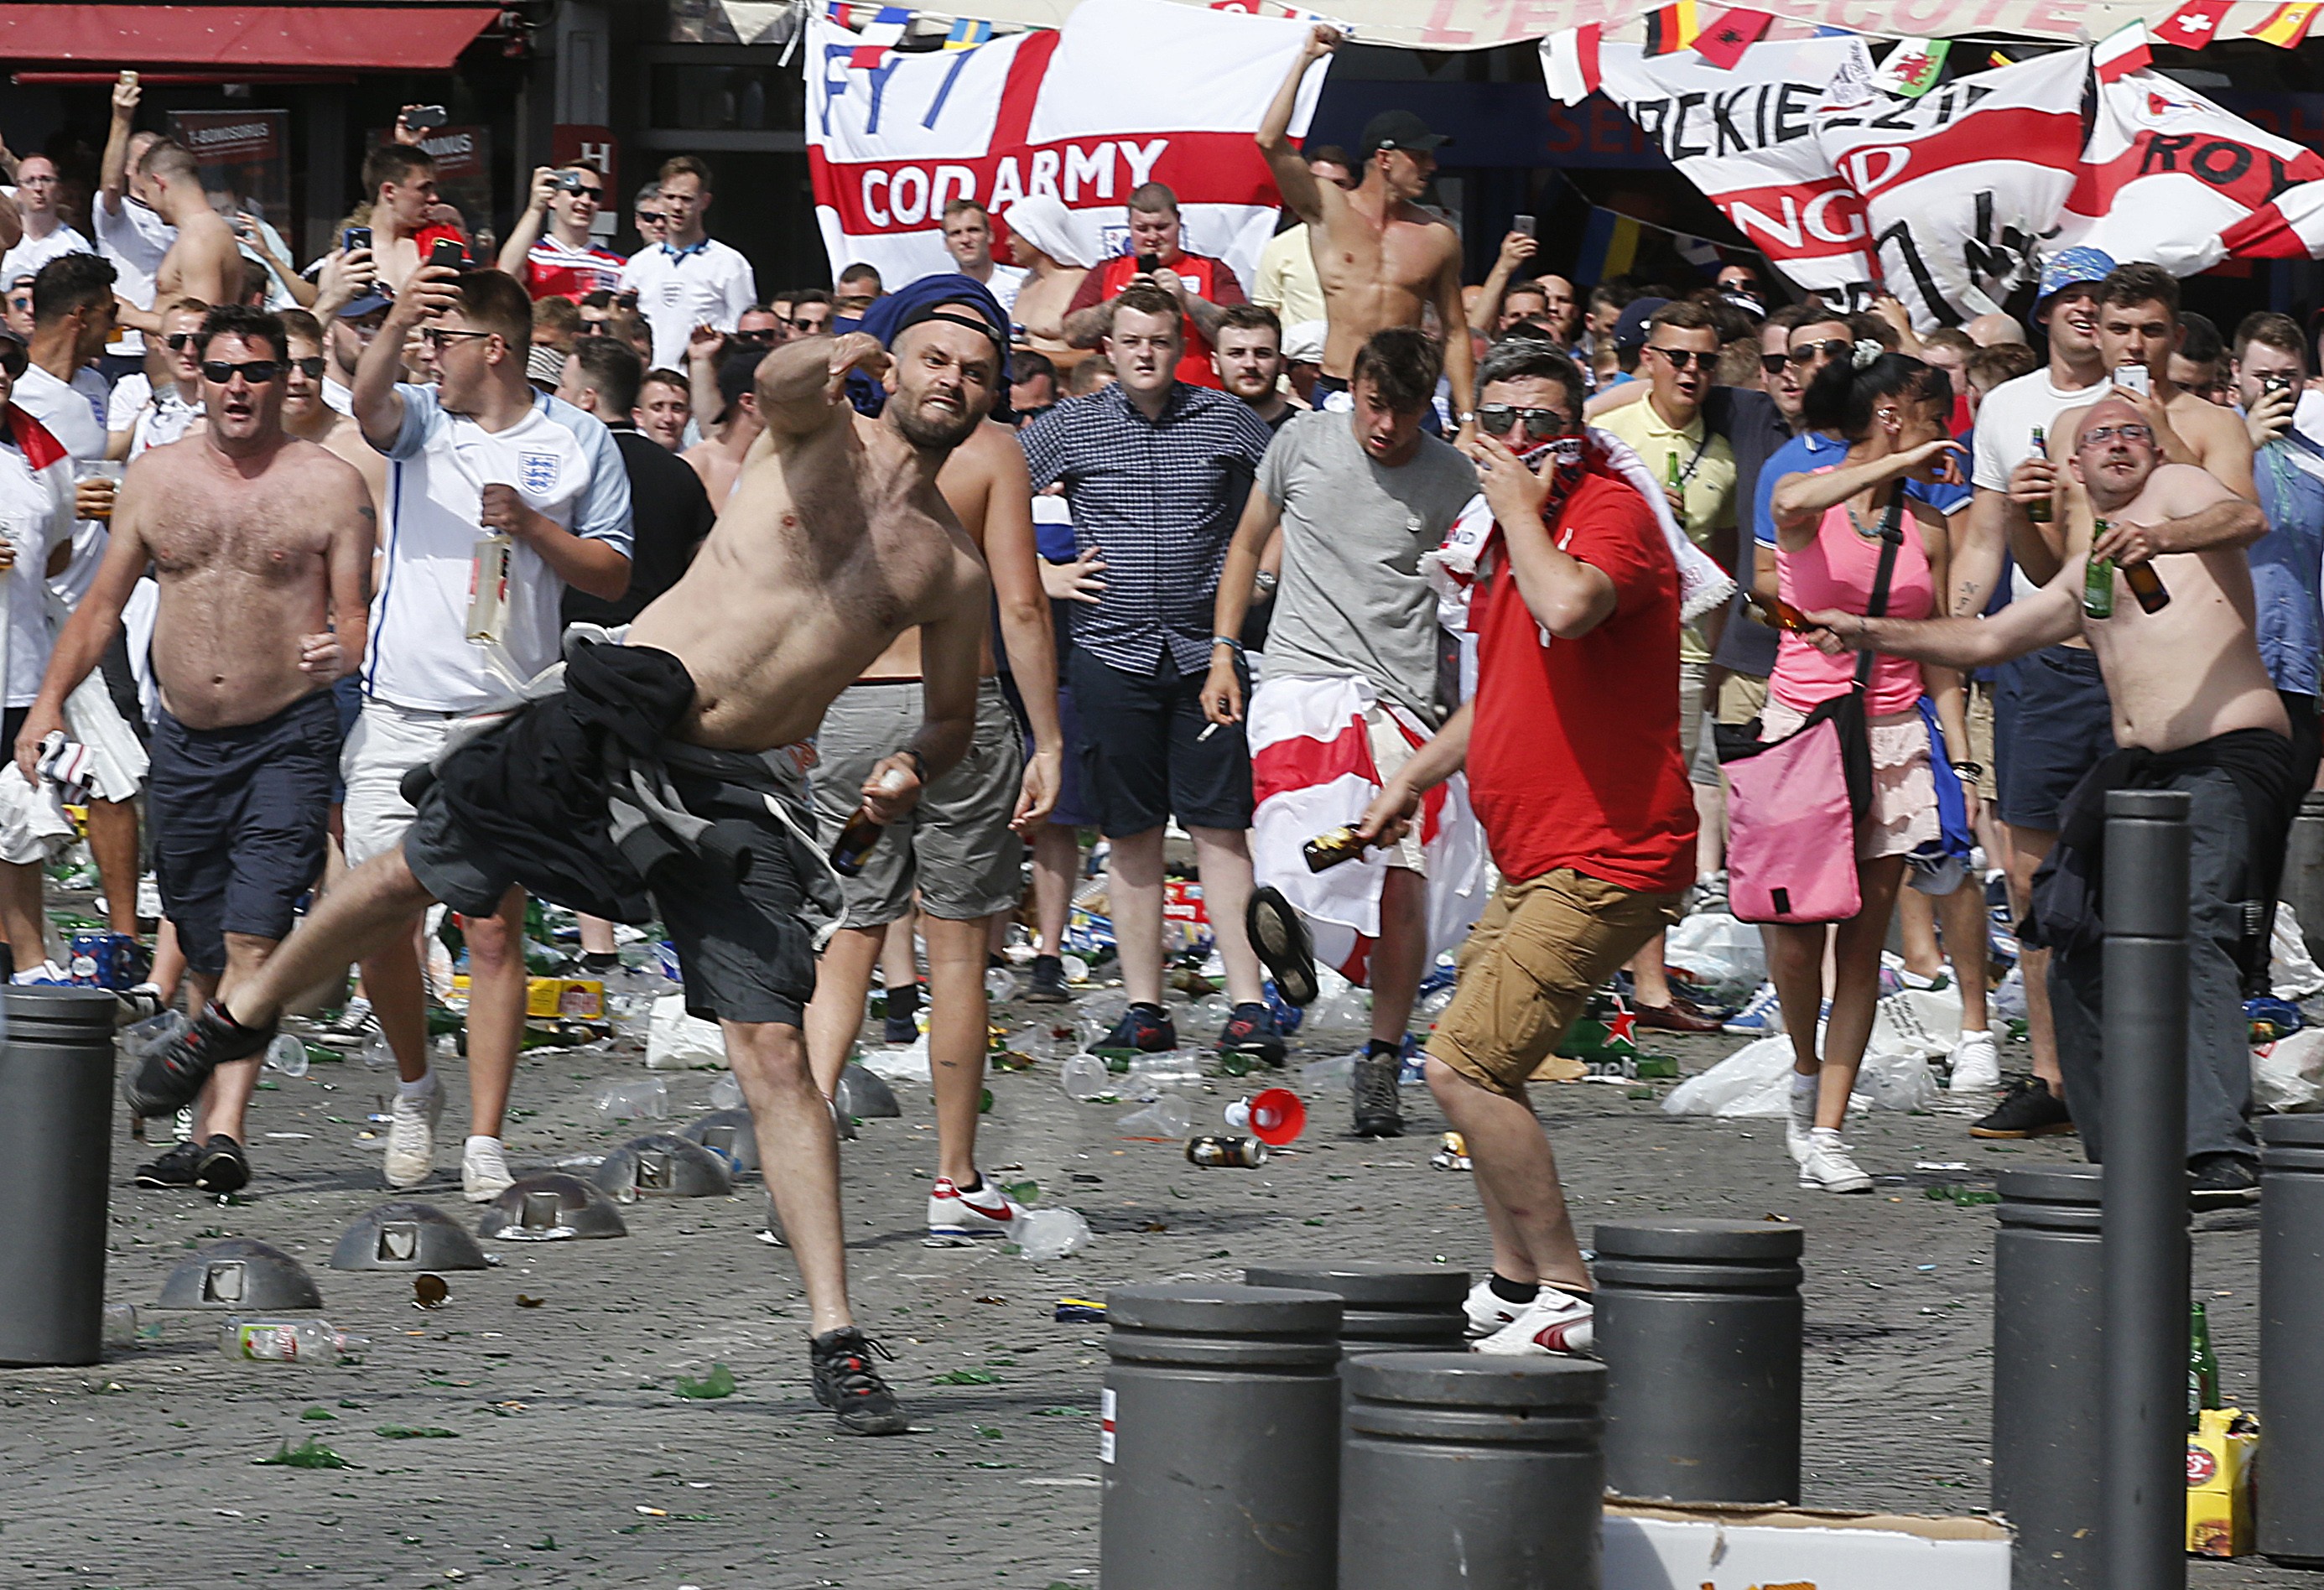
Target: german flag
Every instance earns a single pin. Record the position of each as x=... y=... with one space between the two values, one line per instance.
x=2287 y=24
x=1672 y=28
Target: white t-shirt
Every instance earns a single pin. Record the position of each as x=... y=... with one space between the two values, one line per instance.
x=342 y=399
x=36 y=512
x=136 y=240
x=709 y=284
x=564 y=464
x=1006 y=280
x=2006 y=418
x=31 y=252
x=165 y=419
x=130 y=395
x=71 y=412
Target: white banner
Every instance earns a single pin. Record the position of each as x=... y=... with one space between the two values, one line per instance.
x=1963 y=188
x=1746 y=138
x=1052 y=113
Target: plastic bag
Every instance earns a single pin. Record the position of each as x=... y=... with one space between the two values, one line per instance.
x=676 y=1041
x=1756 y=1082
x=899 y=1065
x=1722 y=954
x=2292 y=971
x=1925 y=1022
x=2288 y=1075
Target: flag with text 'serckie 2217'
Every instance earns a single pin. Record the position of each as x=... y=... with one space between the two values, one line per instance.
x=1051 y=112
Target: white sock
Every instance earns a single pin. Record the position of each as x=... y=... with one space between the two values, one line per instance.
x=1808 y=1082
x=421 y=1088
x=477 y=1142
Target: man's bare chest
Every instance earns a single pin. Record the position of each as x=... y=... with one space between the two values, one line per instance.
x=258 y=535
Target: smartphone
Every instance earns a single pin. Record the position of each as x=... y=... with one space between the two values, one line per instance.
x=2133 y=378
x=1522 y=223
x=1148 y=263
x=425 y=118
x=444 y=252
x=2275 y=383
x=355 y=238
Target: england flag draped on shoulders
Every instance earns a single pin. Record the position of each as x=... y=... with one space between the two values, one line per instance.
x=892 y=136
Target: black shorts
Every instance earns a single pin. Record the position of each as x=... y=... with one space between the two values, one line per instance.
x=2052 y=723
x=1144 y=756
x=238 y=817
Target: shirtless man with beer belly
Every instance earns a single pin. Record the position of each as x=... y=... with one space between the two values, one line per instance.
x=1380 y=259
x=836 y=540
x=2193 y=709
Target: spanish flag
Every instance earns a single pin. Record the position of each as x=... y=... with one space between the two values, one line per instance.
x=1672 y=28
x=2288 y=24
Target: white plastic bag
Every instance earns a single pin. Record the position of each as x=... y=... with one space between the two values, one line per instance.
x=2288 y=1075
x=676 y=1041
x=2293 y=972
x=1754 y=1080
x=899 y=1065
x=1718 y=950
x=1920 y=1022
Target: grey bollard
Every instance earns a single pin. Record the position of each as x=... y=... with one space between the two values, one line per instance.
x=56 y=1167
x=1388 y=1307
x=2048 y=1383
x=1698 y=1323
x=1220 y=1438
x=1462 y=1472
x=2302 y=888
x=2143 y=1468
x=2290 y=1306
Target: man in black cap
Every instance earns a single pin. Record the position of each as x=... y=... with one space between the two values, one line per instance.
x=1383 y=260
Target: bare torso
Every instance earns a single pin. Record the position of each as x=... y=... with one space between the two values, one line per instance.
x=2214 y=434
x=1375 y=271
x=966 y=481
x=344 y=440
x=1041 y=305
x=242 y=561
x=719 y=467
x=825 y=552
x=198 y=262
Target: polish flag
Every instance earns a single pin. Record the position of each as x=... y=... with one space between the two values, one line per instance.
x=2121 y=53
x=1570 y=63
x=2193 y=24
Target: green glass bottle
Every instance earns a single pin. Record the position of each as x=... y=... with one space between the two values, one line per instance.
x=2098 y=579
x=2202 y=1366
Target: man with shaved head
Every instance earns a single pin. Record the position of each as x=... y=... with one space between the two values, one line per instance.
x=2194 y=710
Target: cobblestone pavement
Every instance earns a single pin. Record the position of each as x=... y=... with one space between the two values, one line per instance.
x=570 y=1460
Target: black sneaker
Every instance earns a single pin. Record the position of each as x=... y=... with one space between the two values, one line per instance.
x=167 y=1080
x=1139 y=1031
x=1372 y=1085
x=175 y=1168
x=846 y=1383
x=1049 y=987
x=221 y=1167
x=1280 y=938
x=2028 y=1110
x=1251 y=1031
x=2221 y=1182
x=899 y=1029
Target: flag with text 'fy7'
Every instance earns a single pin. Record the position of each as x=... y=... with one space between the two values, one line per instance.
x=2193 y=24
x=1568 y=63
x=1050 y=112
x=1723 y=42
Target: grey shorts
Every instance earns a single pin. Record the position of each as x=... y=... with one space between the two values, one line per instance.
x=955 y=846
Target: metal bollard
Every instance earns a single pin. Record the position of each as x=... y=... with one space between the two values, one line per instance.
x=1469 y=1473
x=1220 y=1438
x=56 y=1167
x=2290 y=1305
x=2303 y=874
x=1699 y=1325
x=2047 y=1385
x=1388 y=1307
x=2143 y=1529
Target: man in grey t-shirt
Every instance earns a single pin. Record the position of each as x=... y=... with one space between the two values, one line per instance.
x=1358 y=498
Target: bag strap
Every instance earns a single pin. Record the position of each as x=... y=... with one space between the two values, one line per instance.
x=1892 y=536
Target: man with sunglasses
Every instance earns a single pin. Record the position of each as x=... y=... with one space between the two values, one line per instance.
x=550 y=248
x=811 y=312
x=261 y=545
x=156 y=407
x=688 y=278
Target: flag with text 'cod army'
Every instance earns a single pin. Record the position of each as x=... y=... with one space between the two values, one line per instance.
x=1052 y=113
x=1745 y=136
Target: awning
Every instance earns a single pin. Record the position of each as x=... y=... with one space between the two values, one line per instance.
x=262 y=38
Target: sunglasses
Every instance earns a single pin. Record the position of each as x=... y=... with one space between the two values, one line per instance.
x=765 y=333
x=13 y=358
x=1499 y=419
x=311 y=368
x=651 y=217
x=179 y=339
x=258 y=373
x=807 y=324
x=1831 y=349
x=594 y=195
x=1684 y=358
x=435 y=336
x=2108 y=433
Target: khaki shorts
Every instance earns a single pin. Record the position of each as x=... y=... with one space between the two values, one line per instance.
x=1978 y=709
x=1528 y=969
x=1690 y=705
x=1741 y=698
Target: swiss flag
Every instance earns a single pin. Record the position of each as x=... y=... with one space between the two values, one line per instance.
x=2193 y=24
x=1723 y=42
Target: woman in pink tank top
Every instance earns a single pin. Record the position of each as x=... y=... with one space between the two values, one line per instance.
x=1892 y=409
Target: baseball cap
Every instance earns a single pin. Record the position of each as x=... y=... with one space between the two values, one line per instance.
x=1398 y=129
x=2068 y=266
x=1630 y=330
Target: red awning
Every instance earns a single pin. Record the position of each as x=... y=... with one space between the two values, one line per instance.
x=310 y=38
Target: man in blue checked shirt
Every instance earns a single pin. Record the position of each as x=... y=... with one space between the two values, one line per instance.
x=2271 y=371
x=1156 y=472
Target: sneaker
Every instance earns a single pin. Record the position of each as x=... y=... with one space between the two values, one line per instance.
x=1140 y=1030
x=220 y=1166
x=902 y=1030
x=2221 y=1182
x=986 y=1212
x=1048 y=985
x=1251 y=1031
x=171 y=1075
x=483 y=1169
x=1280 y=938
x=1371 y=1087
x=1827 y=1165
x=175 y=1168
x=1799 y=1124
x=1976 y=1061
x=355 y=1020
x=411 y=1136
x=846 y=1383
x=2028 y=1110
x=1554 y=1322
x=1488 y=1310
x=1762 y=1015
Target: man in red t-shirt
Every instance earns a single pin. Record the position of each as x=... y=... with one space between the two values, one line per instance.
x=1571 y=745
x=1206 y=288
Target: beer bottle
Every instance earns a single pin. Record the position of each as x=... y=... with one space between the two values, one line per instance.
x=859 y=834
x=1776 y=612
x=2202 y=1366
x=2098 y=579
x=1329 y=850
x=1675 y=476
x=2147 y=586
x=2039 y=513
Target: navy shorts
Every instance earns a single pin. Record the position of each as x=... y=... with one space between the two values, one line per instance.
x=2052 y=723
x=1144 y=755
x=1073 y=809
x=239 y=823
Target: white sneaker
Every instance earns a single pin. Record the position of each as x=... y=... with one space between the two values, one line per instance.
x=411 y=1136
x=1554 y=1322
x=1487 y=1310
x=483 y=1169
x=1976 y=1064
x=986 y=1212
x=1829 y=1167
x=355 y=1018
x=1799 y=1123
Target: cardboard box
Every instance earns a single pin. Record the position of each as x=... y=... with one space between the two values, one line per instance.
x=1665 y=1546
x=551 y=999
x=2220 y=1458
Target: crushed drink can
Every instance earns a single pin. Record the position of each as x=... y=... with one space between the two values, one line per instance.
x=1452 y=1155
x=1216 y=1153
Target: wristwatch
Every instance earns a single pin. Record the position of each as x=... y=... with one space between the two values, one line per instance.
x=1970 y=772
